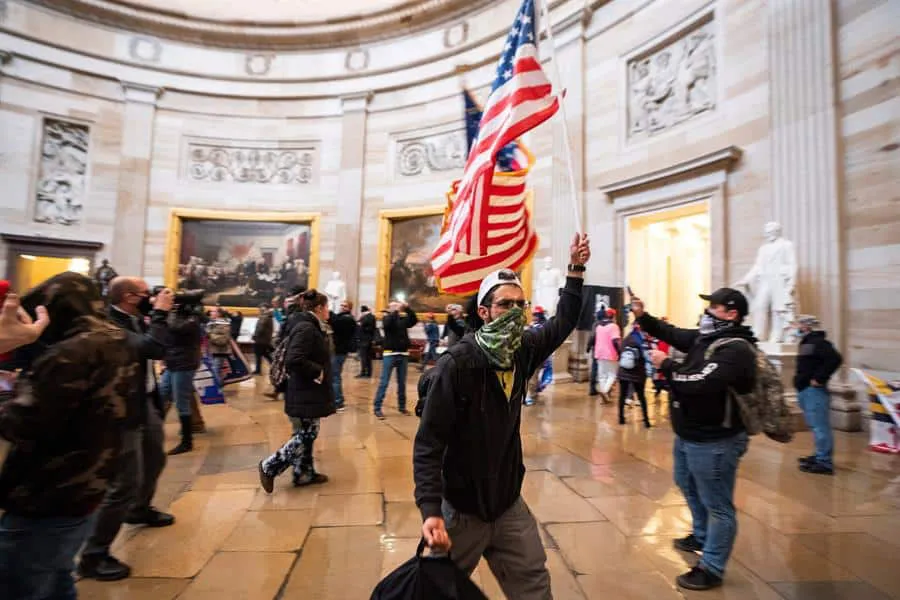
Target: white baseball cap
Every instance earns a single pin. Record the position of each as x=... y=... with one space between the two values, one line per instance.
x=501 y=277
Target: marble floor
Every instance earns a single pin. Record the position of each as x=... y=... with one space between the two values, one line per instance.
x=603 y=495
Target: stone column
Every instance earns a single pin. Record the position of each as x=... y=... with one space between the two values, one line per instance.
x=350 y=192
x=127 y=253
x=5 y=59
x=805 y=164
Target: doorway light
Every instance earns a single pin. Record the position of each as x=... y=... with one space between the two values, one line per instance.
x=28 y=256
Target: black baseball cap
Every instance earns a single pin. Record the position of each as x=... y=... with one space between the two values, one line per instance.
x=730 y=299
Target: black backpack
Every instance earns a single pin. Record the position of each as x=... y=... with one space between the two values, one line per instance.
x=427 y=378
x=427 y=578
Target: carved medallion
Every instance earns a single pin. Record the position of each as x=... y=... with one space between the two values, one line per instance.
x=144 y=49
x=272 y=163
x=62 y=176
x=673 y=82
x=456 y=35
x=357 y=60
x=258 y=64
x=439 y=152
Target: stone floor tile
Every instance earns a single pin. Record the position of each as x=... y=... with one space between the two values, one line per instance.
x=552 y=502
x=337 y=563
x=402 y=520
x=829 y=590
x=134 y=588
x=349 y=509
x=270 y=531
x=866 y=557
x=241 y=576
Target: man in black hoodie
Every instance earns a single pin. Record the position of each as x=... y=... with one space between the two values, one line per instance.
x=817 y=360
x=710 y=437
x=343 y=327
x=467 y=459
x=396 y=322
x=142 y=458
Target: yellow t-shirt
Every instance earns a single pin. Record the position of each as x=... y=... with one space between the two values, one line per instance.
x=507 y=379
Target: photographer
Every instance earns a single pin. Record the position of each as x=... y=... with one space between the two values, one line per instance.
x=182 y=361
x=142 y=457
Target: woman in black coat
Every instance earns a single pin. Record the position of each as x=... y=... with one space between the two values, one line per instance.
x=633 y=372
x=309 y=396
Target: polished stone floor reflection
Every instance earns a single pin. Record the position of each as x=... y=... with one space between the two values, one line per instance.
x=603 y=495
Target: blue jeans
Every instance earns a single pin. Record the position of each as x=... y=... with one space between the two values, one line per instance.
x=594 y=371
x=816 y=405
x=706 y=473
x=37 y=556
x=430 y=353
x=337 y=370
x=178 y=386
x=388 y=364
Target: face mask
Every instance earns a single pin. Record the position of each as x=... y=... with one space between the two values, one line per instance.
x=502 y=337
x=709 y=323
x=145 y=306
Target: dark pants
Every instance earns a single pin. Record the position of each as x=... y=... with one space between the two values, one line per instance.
x=337 y=378
x=625 y=390
x=262 y=351
x=511 y=545
x=706 y=473
x=388 y=364
x=140 y=463
x=430 y=354
x=178 y=387
x=37 y=556
x=365 y=358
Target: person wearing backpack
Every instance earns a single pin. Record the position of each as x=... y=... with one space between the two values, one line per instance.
x=632 y=373
x=467 y=456
x=710 y=436
x=218 y=332
x=817 y=360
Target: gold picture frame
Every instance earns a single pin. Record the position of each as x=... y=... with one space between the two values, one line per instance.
x=179 y=216
x=388 y=218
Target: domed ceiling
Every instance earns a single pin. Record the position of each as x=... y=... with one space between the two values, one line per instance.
x=289 y=24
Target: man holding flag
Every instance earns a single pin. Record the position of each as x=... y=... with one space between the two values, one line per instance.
x=467 y=462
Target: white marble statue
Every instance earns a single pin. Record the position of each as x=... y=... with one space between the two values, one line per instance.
x=771 y=284
x=336 y=290
x=546 y=293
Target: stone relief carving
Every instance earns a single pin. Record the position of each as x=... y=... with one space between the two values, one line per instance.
x=144 y=48
x=244 y=164
x=673 y=83
x=439 y=152
x=62 y=176
x=357 y=60
x=258 y=64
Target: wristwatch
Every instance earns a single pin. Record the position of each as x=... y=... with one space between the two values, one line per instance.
x=577 y=268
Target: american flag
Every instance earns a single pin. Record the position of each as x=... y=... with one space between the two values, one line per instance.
x=488 y=225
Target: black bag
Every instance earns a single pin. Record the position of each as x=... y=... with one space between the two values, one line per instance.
x=427 y=578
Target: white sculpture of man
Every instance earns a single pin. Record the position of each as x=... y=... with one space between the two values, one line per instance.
x=771 y=283
x=336 y=290
x=548 y=283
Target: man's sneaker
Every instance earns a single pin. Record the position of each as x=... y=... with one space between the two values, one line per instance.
x=688 y=544
x=806 y=459
x=379 y=415
x=151 y=518
x=103 y=568
x=817 y=468
x=698 y=578
x=267 y=482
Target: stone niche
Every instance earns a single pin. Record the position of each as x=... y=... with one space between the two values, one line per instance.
x=62 y=173
x=672 y=80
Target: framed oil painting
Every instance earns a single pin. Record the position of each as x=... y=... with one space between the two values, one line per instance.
x=407 y=238
x=241 y=259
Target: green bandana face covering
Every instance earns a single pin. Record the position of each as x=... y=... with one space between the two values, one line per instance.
x=502 y=337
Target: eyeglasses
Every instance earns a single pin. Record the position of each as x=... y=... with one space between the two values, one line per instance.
x=507 y=304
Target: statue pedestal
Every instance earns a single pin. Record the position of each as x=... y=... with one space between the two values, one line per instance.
x=784 y=357
x=562 y=363
x=846 y=410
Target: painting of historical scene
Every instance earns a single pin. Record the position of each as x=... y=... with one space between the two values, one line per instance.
x=243 y=263
x=411 y=278
x=62 y=178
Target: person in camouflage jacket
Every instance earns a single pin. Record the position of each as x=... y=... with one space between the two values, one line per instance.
x=65 y=425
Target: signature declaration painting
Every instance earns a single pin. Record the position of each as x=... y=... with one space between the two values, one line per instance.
x=241 y=259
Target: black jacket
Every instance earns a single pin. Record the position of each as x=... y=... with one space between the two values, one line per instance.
x=468 y=448
x=262 y=333
x=344 y=327
x=183 y=351
x=367 y=329
x=699 y=388
x=817 y=359
x=638 y=373
x=150 y=344
x=396 y=326
x=308 y=358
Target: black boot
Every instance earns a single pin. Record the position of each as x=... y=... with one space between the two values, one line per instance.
x=187 y=438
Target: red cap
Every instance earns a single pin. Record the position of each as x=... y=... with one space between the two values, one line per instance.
x=610 y=312
x=538 y=310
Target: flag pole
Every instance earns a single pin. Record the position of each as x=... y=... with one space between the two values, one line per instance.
x=545 y=20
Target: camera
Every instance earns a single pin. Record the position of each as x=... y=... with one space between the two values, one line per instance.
x=183 y=298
